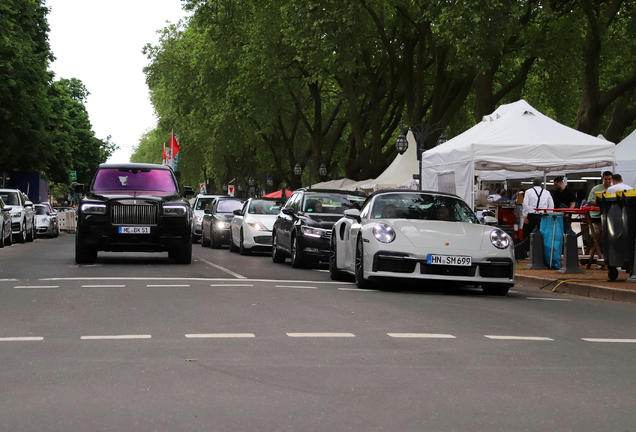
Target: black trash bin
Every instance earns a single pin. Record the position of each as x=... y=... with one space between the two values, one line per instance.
x=618 y=217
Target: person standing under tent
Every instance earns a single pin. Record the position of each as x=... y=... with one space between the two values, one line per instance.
x=535 y=197
x=617 y=179
x=563 y=198
x=591 y=198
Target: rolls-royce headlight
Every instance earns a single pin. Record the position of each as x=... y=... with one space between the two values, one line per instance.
x=384 y=233
x=258 y=226
x=175 y=210
x=499 y=239
x=94 y=208
x=222 y=225
x=313 y=232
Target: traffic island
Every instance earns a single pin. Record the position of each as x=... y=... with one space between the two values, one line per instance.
x=592 y=283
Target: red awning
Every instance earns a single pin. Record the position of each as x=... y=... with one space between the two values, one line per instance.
x=279 y=194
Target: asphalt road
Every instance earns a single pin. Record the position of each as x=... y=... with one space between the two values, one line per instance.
x=237 y=343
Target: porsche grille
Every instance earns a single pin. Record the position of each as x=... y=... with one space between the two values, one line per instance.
x=122 y=214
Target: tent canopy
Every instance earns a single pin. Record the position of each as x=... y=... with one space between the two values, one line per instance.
x=334 y=184
x=626 y=159
x=516 y=137
x=401 y=169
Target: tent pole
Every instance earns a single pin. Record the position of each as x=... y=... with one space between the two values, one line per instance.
x=545 y=181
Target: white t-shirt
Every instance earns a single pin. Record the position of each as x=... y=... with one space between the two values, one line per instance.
x=531 y=200
x=618 y=187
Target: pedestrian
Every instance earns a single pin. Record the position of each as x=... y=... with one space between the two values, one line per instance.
x=563 y=198
x=617 y=180
x=535 y=197
x=591 y=198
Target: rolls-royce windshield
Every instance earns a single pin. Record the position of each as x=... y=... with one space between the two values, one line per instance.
x=155 y=180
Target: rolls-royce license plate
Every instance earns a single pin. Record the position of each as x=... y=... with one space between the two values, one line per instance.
x=134 y=230
x=451 y=260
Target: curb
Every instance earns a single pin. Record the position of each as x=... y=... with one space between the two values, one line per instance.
x=578 y=288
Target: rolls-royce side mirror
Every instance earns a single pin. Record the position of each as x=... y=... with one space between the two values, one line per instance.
x=188 y=191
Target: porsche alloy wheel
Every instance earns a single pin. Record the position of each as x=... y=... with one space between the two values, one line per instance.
x=334 y=273
x=361 y=282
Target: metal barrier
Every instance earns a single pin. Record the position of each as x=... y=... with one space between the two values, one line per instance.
x=66 y=221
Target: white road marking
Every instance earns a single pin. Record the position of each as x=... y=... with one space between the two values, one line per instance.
x=320 y=335
x=322 y=271
x=8 y=280
x=36 y=286
x=422 y=335
x=21 y=339
x=295 y=286
x=193 y=279
x=236 y=275
x=116 y=337
x=231 y=285
x=220 y=335
x=609 y=340
x=529 y=338
x=165 y=286
x=357 y=289
x=548 y=299
x=103 y=286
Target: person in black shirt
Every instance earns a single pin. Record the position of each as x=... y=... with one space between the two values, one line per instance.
x=563 y=198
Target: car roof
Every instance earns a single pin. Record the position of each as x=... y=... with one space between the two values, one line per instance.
x=334 y=191
x=407 y=191
x=135 y=165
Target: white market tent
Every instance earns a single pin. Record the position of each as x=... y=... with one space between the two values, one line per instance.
x=516 y=137
x=626 y=159
x=334 y=184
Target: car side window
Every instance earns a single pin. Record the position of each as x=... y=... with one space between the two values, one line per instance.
x=291 y=200
x=296 y=203
x=364 y=214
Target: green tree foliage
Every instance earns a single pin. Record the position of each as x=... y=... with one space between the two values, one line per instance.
x=256 y=86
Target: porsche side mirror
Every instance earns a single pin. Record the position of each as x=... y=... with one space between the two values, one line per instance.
x=289 y=211
x=353 y=214
x=188 y=191
x=237 y=212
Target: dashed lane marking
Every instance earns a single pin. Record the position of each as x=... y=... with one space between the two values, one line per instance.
x=35 y=286
x=609 y=340
x=103 y=286
x=116 y=337
x=236 y=275
x=192 y=279
x=166 y=286
x=548 y=299
x=422 y=335
x=232 y=285
x=321 y=335
x=219 y=335
x=21 y=339
x=8 y=280
x=357 y=289
x=526 y=338
x=295 y=286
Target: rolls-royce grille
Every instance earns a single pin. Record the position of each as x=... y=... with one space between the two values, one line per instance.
x=123 y=214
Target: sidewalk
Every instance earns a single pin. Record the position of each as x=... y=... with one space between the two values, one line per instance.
x=591 y=283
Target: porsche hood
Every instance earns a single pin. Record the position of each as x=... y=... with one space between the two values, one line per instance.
x=441 y=234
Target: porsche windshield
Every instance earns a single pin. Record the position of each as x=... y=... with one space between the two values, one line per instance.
x=129 y=180
x=422 y=206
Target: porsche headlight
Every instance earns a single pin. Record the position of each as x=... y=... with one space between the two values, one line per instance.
x=313 y=232
x=258 y=226
x=384 y=233
x=499 y=239
x=175 y=210
x=222 y=225
x=94 y=208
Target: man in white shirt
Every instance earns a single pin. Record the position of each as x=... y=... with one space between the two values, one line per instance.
x=536 y=197
x=617 y=179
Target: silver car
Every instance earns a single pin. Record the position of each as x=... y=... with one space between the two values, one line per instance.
x=22 y=214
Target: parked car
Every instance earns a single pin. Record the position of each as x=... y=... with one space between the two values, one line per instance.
x=303 y=227
x=134 y=207
x=421 y=235
x=45 y=222
x=251 y=227
x=53 y=213
x=201 y=203
x=22 y=215
x=215 y=227
x=6 y=236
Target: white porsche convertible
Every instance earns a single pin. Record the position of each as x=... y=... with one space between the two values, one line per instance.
x=421 y=235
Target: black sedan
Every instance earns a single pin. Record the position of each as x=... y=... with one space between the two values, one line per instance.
x=215 y=227
x=302 y=229
x=134 y=207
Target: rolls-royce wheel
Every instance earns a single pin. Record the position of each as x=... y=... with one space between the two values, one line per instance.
x=184 y=255
x=82 y=254
x=242 y=249
x=361 y=282
x=233 y=247
x=278 y=256
x=334 y=273
x=495 y=290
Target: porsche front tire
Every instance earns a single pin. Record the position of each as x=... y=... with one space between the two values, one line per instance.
x=361 y=282
x=334 y=273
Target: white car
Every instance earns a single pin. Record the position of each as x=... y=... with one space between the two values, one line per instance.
x=22 y=215
x=251 y=227
x=45 y=221
x=428 y=236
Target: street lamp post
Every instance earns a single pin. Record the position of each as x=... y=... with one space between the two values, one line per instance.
x=322 y=171
x=421 y=132
x=270 y=183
